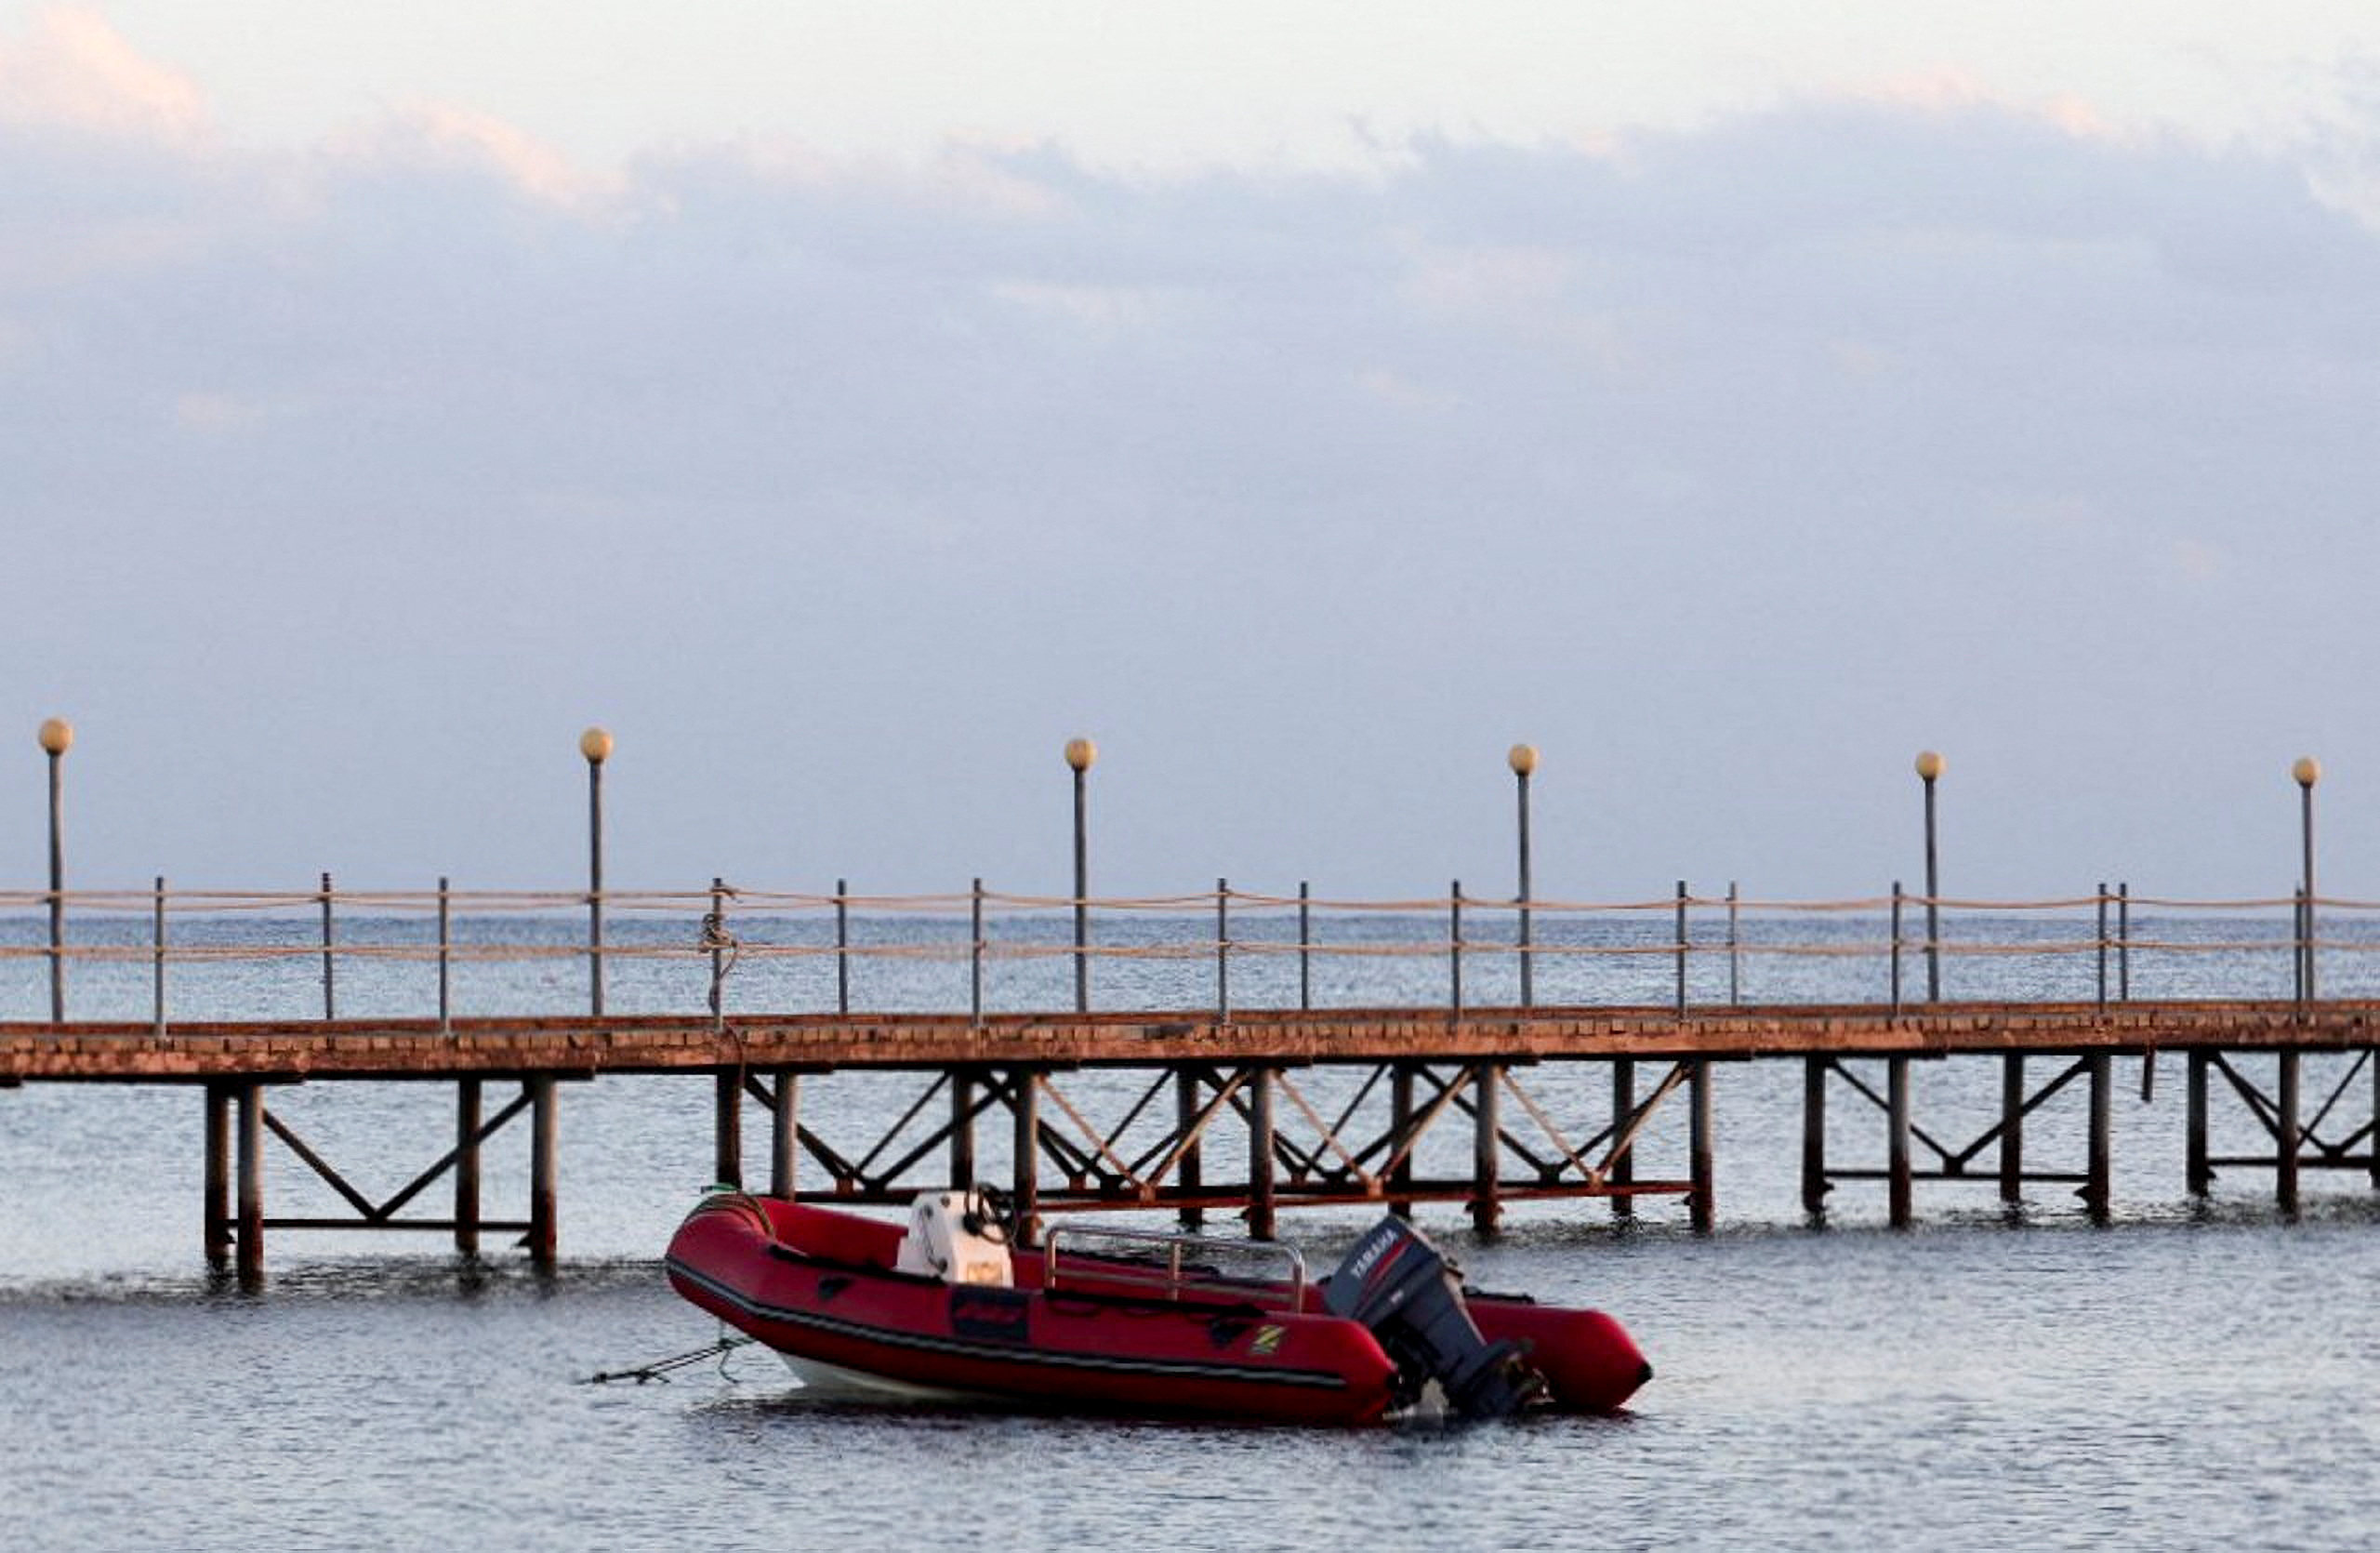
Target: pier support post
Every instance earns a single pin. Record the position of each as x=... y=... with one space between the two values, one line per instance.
x=727 y=1127
x=785 y=1131
x=1185 y=1112
x=2097 y=1193
x=2012 y=1128
x=1623 y=1163
x=1024 y=1195
x=1814 y=1182
x=1400 y=1119
x=467 y=1166
x=1486 y=1087
x=2198 y=1176
x=218 y=1211
x=1703 y=1207
x=251 y=1246
x=1260 y=1155
x=1900 y=1205
x=543 y=1239
x=2284 y=1184
x=962 y=1129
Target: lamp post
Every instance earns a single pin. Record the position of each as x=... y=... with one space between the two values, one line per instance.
x=596 y=745
x=2309 y=771
x=1929 y=770
x=57 y=736
x=1523 y=760
x=1080 y=752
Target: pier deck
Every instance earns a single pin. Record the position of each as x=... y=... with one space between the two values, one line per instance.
x=587 y=1045
x=1207 y=1080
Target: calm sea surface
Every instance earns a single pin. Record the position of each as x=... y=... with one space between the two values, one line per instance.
x=2196 y=1375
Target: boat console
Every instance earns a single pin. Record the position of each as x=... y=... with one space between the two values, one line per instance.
x=1398 y=1284
x=957 y=1237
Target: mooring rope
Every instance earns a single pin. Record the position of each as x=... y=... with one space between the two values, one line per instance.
x=660 y=1368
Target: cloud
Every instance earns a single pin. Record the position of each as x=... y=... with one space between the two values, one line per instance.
x=73 y=71
x=1664 y=453
x=429 y=136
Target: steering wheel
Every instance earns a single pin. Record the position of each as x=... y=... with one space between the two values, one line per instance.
x=992 y=1217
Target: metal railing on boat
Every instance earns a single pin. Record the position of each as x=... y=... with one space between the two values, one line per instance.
x=1169 y=1276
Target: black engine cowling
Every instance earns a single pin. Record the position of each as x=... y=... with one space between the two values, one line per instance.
x=1398 y=1283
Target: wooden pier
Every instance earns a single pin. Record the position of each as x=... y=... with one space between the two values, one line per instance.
x=1548 y=1091
x=1222 y=1117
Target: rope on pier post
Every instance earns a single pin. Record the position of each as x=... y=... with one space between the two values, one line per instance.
x=1305 y=946
x=727 y=1105
x=2102 y=946
x=445 y=958
x=976 y=954
x=330 y=971
x=1681 y=948
x=1223 y=951
x=1454 y=951
x=1896 y=950
x=843 y=946
x=158 y=970
x=1734 y=946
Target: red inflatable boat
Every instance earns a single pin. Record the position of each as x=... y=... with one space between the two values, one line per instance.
x=1135 y=1321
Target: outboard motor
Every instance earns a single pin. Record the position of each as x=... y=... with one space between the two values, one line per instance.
x=1396 y=1283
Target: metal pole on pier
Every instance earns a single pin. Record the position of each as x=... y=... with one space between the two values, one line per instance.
x=1080 y=753
x=57 y=736
x=467 y=1092
x=1305 y=945
x=842 y=945
x=1679 y=948
x=727 y=1084
x=330 y=965
x=596 y=745
x=2308 y=771
x=2287 y=1134
x=1523 y=760
x=157 y=967
x=1929 y=771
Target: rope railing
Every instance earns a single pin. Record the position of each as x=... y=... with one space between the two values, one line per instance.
x=984 y=926
x=695 y=901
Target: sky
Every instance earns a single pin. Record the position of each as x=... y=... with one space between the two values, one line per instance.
x=846 y=405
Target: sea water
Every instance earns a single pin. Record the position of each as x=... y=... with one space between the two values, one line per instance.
x=2196 y=1374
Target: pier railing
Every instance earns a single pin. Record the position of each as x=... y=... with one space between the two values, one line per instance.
x=119 y=953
